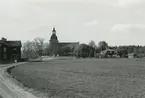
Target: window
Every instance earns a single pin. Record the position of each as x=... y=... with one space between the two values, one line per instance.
x=5 y=56
x=5 y=49
x=14 y=49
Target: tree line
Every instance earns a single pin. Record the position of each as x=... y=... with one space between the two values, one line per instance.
x=122 y=51
x=38 y=47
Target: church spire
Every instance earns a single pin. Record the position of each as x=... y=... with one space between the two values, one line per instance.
x=53 y=36
x=54 y=31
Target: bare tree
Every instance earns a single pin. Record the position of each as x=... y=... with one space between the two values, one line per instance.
x=28 y=50
x=46 y=49
x=39 y=45
x=35 y=48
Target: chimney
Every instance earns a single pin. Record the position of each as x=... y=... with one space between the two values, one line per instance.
x=4 y=39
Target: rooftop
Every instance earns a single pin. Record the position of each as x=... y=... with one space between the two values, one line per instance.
x=11 y=43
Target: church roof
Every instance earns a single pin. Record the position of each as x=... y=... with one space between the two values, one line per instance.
x=67 y=44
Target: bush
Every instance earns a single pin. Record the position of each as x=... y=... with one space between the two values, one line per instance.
x=23 y=59
x=97 y=55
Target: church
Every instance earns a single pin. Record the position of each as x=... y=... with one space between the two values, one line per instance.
x=60 y=48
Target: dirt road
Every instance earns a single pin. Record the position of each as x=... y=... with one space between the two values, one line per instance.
x=8 y=89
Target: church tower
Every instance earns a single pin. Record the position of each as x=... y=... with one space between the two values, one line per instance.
x=53 y=38
x=53 y=43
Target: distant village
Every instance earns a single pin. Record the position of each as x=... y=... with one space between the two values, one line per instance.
x=12 y=51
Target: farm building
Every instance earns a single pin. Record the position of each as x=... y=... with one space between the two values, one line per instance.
x=131 y=55
x=109 y=53
x=60 y=48
x=9 y=50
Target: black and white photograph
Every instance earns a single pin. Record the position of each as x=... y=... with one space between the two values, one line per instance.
x=72 y=48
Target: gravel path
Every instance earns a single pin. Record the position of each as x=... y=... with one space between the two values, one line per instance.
x=8 y=89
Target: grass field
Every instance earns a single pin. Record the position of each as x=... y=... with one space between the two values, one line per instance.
x=108 y=78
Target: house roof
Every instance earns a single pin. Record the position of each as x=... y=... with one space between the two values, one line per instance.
x=4 y=43
x=12 y=43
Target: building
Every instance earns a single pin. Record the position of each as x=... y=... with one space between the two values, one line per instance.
x=10 y=51
x=131 y=55
x=60 y=48
x=109 y=53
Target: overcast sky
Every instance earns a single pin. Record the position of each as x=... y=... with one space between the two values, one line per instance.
x=118 y=22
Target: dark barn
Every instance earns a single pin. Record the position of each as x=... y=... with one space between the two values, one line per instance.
x=10 y=51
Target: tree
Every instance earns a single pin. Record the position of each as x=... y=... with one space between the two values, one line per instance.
x=122 y=52
x=39 y=45
x=82 y=50
x=65 y=51
x=103 y=45
x=130 y=49
x=92 y=44
x=92 y=48
x=46 y=49
x=28 y=50
x=35 y=48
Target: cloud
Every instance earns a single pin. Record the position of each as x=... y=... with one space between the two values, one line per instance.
x=127 y=34
x=92 y=23
x=40 y=1
x=128 y=28
x=128 y=2
x=128 y=31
